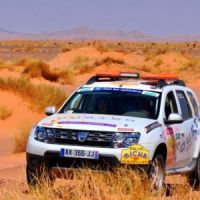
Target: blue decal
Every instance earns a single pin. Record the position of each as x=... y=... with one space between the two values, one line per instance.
x=62 y=152
x=103 y=89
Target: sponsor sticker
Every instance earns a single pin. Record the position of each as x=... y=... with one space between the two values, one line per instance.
x=135 y=155
x=126 y=129
x=152 y=126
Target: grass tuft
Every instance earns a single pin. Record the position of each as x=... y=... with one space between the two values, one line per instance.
x=109 y=60
x=38 y=68
x=40 y=96
x=83 y=64
x=21 y=135
x=5 y=112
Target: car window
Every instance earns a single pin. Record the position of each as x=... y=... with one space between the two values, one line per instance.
x=184 y=104
x=193 y=102
x=170 y=105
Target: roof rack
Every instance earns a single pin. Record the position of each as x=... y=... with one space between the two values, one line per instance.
x=162 y=80
x=158 y=80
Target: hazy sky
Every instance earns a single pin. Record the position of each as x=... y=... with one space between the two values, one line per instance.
x=157 y=17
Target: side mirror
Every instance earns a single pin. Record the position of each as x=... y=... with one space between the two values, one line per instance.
x=50 y=110
x=174 y=118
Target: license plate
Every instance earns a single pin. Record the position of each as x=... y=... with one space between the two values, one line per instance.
x=75 y=153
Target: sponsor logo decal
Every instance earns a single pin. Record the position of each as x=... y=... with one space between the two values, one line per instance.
x=126 y=129
x=152 y=126
x=135 y=155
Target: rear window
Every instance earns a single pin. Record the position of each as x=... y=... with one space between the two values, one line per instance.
x=184 y=104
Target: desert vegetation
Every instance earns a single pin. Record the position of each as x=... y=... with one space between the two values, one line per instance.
x=21 y=134
x=43 y=94
x=5 y=112
x=96 y=185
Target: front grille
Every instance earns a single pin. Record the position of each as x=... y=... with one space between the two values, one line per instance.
x=94 y=138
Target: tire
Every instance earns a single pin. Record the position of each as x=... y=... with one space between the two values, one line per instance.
x=40 y=174
x=194 y=177
x=156 y=174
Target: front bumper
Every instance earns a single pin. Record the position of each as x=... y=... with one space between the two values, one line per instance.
x=39 y=152
x=52 y=159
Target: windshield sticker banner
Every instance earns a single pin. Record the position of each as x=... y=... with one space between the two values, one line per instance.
x=106 y=89
x=135 y=155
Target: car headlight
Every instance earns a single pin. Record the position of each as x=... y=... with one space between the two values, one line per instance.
x=119 y=138
x=44 y=134
x=131 y=138
x=125 y=139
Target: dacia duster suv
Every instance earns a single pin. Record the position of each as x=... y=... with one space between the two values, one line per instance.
x=151 y=122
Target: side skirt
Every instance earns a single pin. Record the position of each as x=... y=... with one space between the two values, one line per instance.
x=183 y=170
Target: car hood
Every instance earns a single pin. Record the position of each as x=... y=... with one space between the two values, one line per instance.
x=95 y=122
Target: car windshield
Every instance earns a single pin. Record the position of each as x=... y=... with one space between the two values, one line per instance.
x=114 y=101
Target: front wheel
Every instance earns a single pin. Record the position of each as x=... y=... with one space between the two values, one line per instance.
x=194 y=178
x=156 y=174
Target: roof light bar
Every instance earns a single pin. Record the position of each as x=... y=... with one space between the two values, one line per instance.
x=107 y=75
x=129 y=75
x=162 y=76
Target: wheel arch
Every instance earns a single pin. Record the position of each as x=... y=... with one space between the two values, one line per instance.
x=161 y=149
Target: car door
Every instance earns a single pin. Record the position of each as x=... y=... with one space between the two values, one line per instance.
x=184 y=139
x=195 y=127
x=171 y=131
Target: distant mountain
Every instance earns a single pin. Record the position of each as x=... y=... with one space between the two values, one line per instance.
x=6 y=35
x=86 y=33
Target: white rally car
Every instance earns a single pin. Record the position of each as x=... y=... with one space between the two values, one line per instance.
x=151 y=122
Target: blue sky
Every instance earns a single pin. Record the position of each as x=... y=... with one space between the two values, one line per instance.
x=156 y=17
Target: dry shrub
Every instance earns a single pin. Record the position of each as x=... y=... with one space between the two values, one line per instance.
x=65 y=49
x=7 y=64
x=158 y=62
x=160 y=51
x=38 y=68
x=67 y=76
x=190 y=71
x=5 y=112
x=24 y=61
x=1 y=63
x=101 y=47
x=145 y=68
x=21 y=135
x=109 y=60
x=39 y=95
x=94 y=185
x=83 y=64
